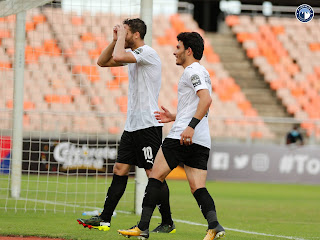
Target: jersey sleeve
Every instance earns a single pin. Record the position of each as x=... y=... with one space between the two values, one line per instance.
x=196 y=80
x=143 y=56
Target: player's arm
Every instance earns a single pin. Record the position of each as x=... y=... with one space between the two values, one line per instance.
x=204 y=103
x=120 y=55
x=106 y=59
x=165 y=116
x=202 y=109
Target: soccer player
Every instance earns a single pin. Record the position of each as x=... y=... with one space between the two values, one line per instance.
x=188 y=140
x=142 y=134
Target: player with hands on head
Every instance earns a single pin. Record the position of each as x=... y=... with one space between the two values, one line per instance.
x=188 y=141
x=142 y=135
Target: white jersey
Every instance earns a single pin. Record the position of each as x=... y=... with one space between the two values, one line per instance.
x=194 y=78
x=144 y=88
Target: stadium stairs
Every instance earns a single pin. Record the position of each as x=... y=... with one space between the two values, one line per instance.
x=251 y=82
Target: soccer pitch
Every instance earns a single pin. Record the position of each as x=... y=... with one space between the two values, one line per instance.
x=254 y=211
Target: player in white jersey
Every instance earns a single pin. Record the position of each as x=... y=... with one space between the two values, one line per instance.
x=188 y=141
x=142 y=134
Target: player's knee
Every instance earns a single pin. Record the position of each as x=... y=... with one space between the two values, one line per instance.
x=194 y=187
x=148 y=172
x=121 y=169
x=157 y=175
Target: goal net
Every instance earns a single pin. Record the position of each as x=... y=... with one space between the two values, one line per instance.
x=72 y=112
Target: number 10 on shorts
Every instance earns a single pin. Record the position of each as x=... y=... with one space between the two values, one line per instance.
x=147 y=151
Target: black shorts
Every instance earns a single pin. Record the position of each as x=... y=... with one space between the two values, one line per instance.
x=140 y=147
x=194 y=155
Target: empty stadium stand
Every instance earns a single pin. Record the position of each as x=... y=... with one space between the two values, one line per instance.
x=286 y=54
x=66 y=91
x=241 y=68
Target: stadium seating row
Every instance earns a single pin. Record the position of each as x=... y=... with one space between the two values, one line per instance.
x=66 y=91
x=288 y=60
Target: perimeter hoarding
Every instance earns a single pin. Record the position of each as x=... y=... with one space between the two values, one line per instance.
x=5 y=154
x=265 y=163
x=68 y=156
x=227 y=162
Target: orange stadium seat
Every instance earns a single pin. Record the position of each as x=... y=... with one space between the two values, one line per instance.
x=297 y=92
x=10 y=18
x=119 y=74
x=314 y=47
x=26 y=105
x=244 y=105
x=114 y=130
x=278 y=29
x=87 y=37
x=54 y=98
x=26 y=120
x=77 y=20
x=250 y=112
x=292 y=109
x=177 y=24
x=5 y=33
x=168 y=39
x=256 y=134
x=5 y=66
x=94 y=53
x=122 y=103
x=113 y=84
x=253 y=52
x=232 y=20
x=30 y=26
x=39 y=19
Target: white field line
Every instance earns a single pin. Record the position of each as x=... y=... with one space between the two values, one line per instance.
x=176 y=220
x=238 y=230
x=66 y=204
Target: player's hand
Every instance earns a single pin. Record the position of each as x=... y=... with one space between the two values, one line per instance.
x=186 y=136
x=121 y=32
x=165 y=116
x=115 y=33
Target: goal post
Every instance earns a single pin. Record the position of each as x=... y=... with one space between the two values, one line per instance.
x=17 y=131
x=18 y=7
x=146 y=14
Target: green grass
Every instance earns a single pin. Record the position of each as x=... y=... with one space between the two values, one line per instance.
x=276 y=209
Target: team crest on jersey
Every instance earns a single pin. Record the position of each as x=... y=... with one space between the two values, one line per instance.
x=195 y=79
x=207 y=79
x=138 y=51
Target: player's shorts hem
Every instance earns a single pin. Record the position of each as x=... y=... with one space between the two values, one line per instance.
x=195 y=156
x=139 y=148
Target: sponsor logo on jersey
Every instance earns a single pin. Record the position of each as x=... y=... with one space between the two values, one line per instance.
x=207 y=79
x=138 y=50
x=195 y=79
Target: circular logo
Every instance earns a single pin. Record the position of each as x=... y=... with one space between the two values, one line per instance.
x=304 y=13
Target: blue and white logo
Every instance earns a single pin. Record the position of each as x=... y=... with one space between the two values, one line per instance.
x=304 y=13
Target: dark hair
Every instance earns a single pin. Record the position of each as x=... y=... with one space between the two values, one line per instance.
x=136 y=25
x=194 y=41
x=296 y=126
